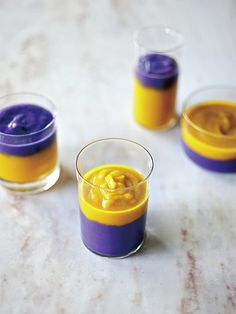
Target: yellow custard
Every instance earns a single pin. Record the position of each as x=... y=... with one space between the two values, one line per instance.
x=215 y=117
x=154 y=108
x=24 y=169
x=113 y=194
x=209 y=128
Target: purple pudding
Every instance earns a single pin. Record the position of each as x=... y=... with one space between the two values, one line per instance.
x=157 y=70
x=25 y=129
x=223 y=166
x=110 y=240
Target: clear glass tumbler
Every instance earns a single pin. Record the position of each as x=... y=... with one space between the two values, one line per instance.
x=113 y=195
x=28 y=145
x=156 y=75
x=208 y=128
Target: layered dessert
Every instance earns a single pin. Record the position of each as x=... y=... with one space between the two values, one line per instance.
x=28 y=149
x=155 y=88
x=209 y=134
x=113 y=203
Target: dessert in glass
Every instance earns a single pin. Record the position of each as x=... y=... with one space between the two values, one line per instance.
x=208 y=128
x=113 y=179
x=156 y=76
x=28 y=145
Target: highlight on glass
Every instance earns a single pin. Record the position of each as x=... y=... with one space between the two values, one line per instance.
x=113 y=177
x=28 y=144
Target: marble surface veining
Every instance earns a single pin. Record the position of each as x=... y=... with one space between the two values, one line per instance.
x=80 y=54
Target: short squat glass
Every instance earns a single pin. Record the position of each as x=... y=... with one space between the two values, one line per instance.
x=113 y=195
x=208 y=128
x=28 y=145
x=156 y=76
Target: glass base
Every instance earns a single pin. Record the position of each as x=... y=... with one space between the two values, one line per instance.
x=119 y=257
x=33 y=187
x=169 y=125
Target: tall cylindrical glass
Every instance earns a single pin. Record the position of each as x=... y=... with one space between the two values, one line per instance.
x=156 y=76
x=28 y=145
x=113 y=179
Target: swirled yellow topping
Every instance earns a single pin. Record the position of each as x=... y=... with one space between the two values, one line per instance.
x=114 y=187
x=215 y=117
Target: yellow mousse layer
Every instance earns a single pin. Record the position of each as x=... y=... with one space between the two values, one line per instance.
x=217 y=118
x=154 y=108
x=26 y=169
x=209 y=128
x=113 y=195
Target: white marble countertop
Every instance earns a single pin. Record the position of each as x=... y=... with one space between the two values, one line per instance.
x=80 y=54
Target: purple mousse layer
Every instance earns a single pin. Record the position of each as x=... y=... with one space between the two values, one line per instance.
x=224 y=166
x=157 y=70
x=110 y=240
x=25 y=129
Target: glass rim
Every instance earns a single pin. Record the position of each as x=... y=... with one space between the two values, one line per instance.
x=53 y=111
x=79 y=174
x=195 y=126
x=167 y=29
